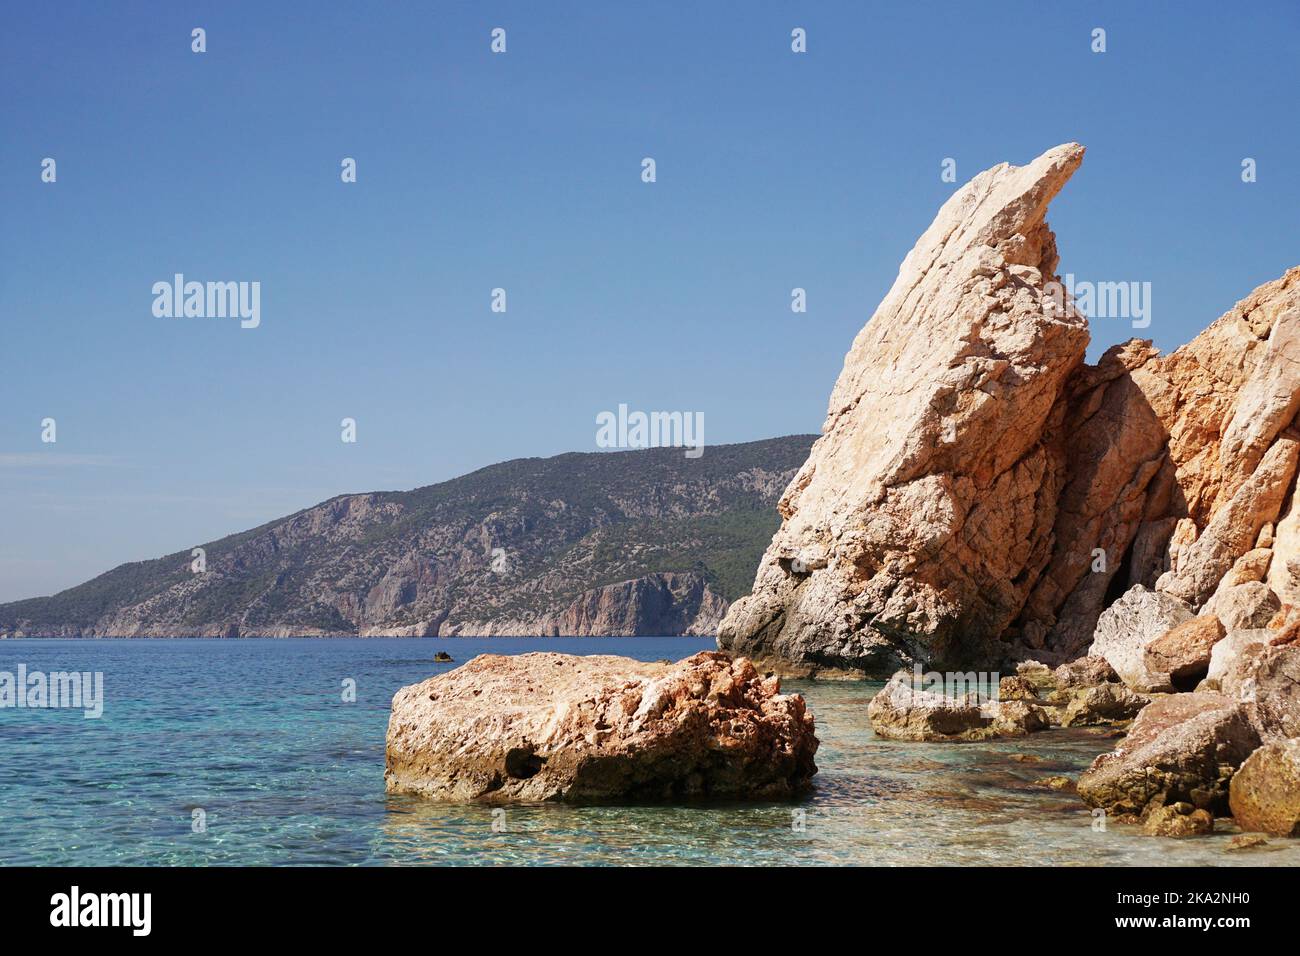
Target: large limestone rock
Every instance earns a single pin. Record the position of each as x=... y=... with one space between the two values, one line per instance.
x=981 y=496
x=1265 y=792
x=1128 y=626
x=924 y=512
x=548 y=726
x=1182 y=748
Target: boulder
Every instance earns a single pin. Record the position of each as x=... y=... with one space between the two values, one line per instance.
x=1038 y=675
x=1016 y=688
x=1266 y=680
x=1183 y=652
x=1128 y=626
x=1182 y=748
x=1243 y=606
x=902 y=711
x=1086 y=672
x=1226 y=653
x=1102 y=706
x=1251 y=566
x=546 y=726
x=1265 y=791
x=1015 y=718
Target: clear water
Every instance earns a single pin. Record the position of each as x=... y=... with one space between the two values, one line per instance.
x=256 y=734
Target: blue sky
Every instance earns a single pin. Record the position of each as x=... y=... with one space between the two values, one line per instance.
x=522 y=171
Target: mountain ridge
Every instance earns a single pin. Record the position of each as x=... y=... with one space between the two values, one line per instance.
x=618 y=543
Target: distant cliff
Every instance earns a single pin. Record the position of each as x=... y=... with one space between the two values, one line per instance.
x=618 y=543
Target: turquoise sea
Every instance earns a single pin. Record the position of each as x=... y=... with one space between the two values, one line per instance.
x=256 y=736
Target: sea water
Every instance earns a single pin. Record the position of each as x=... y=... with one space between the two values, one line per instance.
x=251 y=752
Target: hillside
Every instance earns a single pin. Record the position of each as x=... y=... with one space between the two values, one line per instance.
x=617 y=543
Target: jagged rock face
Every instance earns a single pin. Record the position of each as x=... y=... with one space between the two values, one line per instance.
x=536 y=727
x=923 y=514
x=980 y=496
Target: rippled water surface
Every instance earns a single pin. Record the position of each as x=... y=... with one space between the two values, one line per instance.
x=256 y=735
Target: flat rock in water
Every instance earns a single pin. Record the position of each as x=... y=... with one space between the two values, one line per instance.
x=545 y=726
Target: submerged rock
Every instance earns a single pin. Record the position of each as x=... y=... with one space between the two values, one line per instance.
x=1265 y=793
x=546 y=726
x=1182 y=748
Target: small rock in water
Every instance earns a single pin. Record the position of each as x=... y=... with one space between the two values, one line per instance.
x=1103 y=705
x=1056 y=783
x=1247 y=841
x=1085 y=672
x=1016 y=688
x=443 y=657
x=1178 y=820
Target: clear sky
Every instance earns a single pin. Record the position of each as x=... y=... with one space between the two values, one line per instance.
x=523 y=171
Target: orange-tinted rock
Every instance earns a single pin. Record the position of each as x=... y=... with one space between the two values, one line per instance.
x=1184 y=651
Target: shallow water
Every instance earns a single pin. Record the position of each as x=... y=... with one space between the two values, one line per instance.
x=255 y=734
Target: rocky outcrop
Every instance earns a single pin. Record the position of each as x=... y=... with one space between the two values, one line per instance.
x=980 y=496
x=653 y=605
x=557 y=727
x=1182 y=748
x=923 y=515
x=1265 y=792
